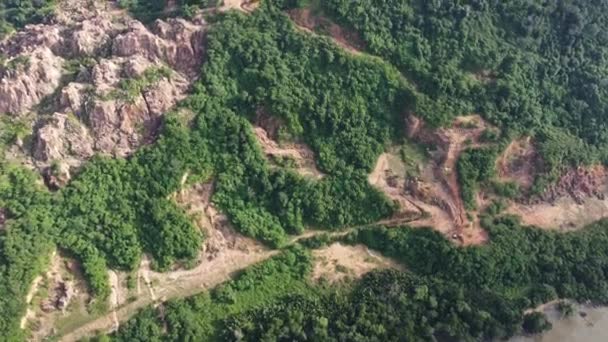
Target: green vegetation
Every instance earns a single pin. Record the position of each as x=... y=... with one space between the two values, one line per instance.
x=149 y=10
x=506 y=189
x=17 y=13
x=12 y=129
x=413 y=156
x=200 y=318
x=536 y=322
x=111 y=212
x=448 y=292
x=346 y=108
x=115 y=209
x=131 y=88
x=474 y=166
x=25 y=242
x=529 y=67
x=565 y=308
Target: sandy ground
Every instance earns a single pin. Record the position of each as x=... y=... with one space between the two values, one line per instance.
x=338 y=262
x=240 y=5
x=117 y=297
x=30 y=314
x=302 y=155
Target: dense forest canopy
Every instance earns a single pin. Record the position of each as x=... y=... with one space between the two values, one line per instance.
x=15 y=14
x=530 y=67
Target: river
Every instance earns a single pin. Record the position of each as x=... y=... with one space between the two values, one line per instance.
x=587 y=324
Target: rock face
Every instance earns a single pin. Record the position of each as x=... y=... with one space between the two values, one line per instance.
x=29 y=79
x=62 y=137
x=74 y=73
x=175 y=42
x=580 y=184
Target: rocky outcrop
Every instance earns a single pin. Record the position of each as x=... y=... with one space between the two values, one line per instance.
x=77 y=67
x=56 y=176
x=121 y=124
x=90 y=37
x=61 y=137
x=578 y=183
x=175 y=42
x=27 y=79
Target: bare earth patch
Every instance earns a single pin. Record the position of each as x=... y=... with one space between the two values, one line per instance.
x=338 y=262
x=308 y=21
x=298 y=154
x=239 y=5
x=575 y=200
x=432 y=198
x=518 y=163
x=564 y=213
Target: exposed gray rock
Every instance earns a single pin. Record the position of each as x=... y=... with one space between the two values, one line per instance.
x=32 y=38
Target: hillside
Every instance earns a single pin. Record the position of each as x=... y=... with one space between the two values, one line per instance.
x=289 y=170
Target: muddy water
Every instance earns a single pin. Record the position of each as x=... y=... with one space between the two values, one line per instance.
x=587 y=324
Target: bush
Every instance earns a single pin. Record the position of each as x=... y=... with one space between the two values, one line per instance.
x=535 y=323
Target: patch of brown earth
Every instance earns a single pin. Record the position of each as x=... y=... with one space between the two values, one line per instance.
x=518 y=163
x=305 y=19
x=339 y=262
x=435 y=193
x=485 y=76
x=389 y=177
x=298 y=154
x=577 y=199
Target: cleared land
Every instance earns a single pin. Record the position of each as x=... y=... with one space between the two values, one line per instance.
x=338 y=262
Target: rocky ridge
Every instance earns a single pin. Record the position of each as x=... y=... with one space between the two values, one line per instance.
x=98 y=81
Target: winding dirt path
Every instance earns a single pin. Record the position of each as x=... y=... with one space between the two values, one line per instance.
x=114 y=297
